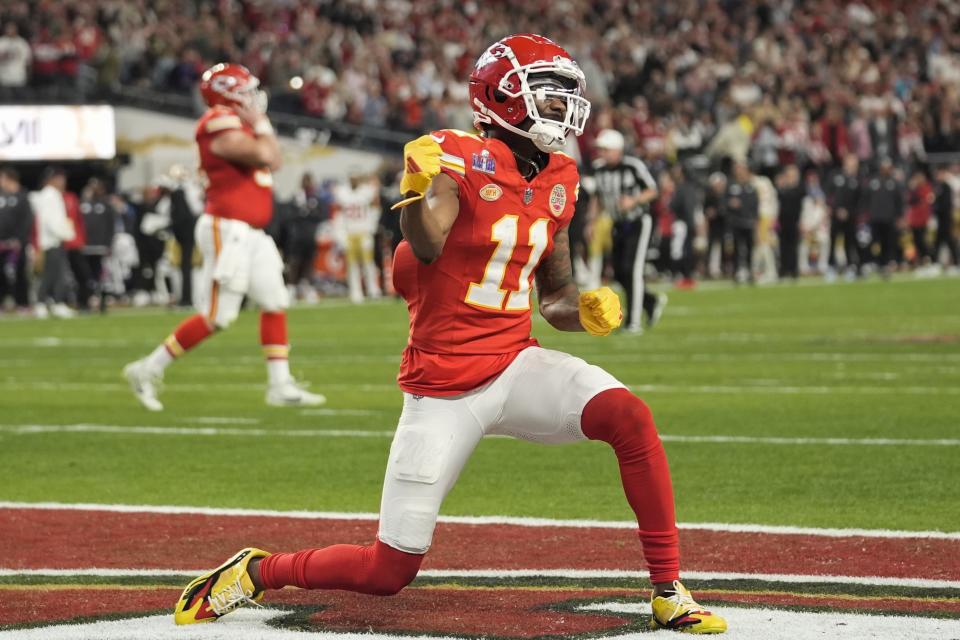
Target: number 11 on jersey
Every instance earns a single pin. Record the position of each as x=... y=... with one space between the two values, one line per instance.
x=488 y=293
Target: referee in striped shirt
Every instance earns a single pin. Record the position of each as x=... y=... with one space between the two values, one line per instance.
x=626 y=190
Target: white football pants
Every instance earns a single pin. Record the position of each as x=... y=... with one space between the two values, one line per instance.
x=238 y=260
x=539 y=397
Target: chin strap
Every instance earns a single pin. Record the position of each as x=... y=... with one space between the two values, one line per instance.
x=545 y=136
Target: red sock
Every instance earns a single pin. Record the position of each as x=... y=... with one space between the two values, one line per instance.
x=187 y=335
x=273 y=335
x=377 y=569
x=624 y=421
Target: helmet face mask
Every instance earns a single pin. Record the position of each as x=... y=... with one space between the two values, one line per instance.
x=507 y=91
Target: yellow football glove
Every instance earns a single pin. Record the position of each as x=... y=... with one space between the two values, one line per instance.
x=600 y=311
x=421 y=164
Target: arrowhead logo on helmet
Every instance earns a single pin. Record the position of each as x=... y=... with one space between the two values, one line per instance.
x=232 y=85
x=516 y=73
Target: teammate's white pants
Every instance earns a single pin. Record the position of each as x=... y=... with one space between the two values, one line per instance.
x=539 y=397
x=361 y=269
x=238 y=260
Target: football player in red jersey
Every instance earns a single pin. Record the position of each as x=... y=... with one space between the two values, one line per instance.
x=238 y=150
x=485 y=217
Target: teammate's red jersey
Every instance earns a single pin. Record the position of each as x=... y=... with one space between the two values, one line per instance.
x=233 y=190
x=470 y=309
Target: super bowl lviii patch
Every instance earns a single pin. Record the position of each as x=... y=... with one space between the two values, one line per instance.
x=558 y=199
x=491 y=192
x=484 y=162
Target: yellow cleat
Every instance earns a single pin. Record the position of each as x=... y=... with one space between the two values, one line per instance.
x=680 y=612
x=220 y=591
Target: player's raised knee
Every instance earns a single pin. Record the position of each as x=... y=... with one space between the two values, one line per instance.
x=615 y=414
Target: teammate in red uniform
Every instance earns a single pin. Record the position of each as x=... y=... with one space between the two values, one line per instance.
x=483 y=217
x=238 y=150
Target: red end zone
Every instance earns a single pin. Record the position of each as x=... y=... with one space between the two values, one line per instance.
x=74 y=539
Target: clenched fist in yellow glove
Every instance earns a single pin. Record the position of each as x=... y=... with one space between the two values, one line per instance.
x=421 y=164
x=600 y=311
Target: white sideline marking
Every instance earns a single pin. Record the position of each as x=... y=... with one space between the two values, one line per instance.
x=504 y=574
x=484 y=520
x=364 y=433
x=745 y=624
x=918 y=583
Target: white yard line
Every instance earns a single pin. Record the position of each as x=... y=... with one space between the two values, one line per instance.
x=221 y=420
x=342 y=412
x=26 y=429
x=768 y=388
x=484 y=520
x=194 y=431
x=819 y=390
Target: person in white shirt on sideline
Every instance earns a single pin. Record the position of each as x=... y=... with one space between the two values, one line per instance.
x=53 y=229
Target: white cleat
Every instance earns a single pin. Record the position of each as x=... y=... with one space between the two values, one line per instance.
x=62 y=311
x=41 y=312
x=291 y=394
x=143 y=382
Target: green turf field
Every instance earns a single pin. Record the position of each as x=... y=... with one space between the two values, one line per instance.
x=854 y=362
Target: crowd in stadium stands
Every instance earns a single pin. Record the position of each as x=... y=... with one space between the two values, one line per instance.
x=843 y=118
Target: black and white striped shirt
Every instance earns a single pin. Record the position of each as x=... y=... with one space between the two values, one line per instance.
x=628 y=177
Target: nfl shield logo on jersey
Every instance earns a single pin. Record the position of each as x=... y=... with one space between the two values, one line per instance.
x=528 y=195
x=558 y=199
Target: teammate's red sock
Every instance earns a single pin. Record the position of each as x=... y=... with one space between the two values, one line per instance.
x=273 y=338
x=624 y=421
x=273 y=335
x=377 y=569
x=187 y=335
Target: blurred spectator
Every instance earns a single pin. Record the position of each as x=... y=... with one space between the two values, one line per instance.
x=75 y=252
x=741 y=211
x=99 y=221
x=716 y=226
x=764 y=254
x=358 y=213
x=311 y=206
x=814 y=227
x=53 y=230
x=14 y=60
x=883 y=197
x=919 y=202
x=16 y=223
x=790 y=195
x=943 y=211
x=183 y=202
x=685 y=204
x=843 y=199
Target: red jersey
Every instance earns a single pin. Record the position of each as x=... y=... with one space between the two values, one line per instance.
x=470 y=309
x=234 y=190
